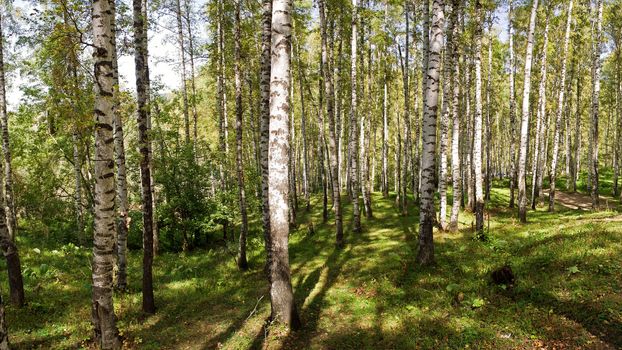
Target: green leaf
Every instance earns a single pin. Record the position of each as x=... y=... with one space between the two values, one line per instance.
x=573 y=270
x=452 y=287
x=477 y=303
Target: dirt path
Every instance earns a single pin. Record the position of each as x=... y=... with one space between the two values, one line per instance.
x=580 y=201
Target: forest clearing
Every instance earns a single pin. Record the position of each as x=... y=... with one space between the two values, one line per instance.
x=311 y=174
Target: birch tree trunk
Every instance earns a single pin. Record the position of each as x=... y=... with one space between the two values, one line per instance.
x=354 y=166
x=444 y=136
x=428 y=162
x=596 y=69
x=264 y=124
x=6 y=147
x=455 y=115
x=182 y=52
x=407 y=140
x=363 y=132
x=144 y=146
x=281 y=293
x=193 y=89
x=122 y=200
x=332 y=136
x=477 y=125
x=541 y=127
x=242 y=263
x=513 y=167
x=4 y=333
x=560 y=108
x=11 y=254
x=524 y=131
x=577 y=138
x=385 y=129
x=303 y=130
x=77 y=172
x=103 y=318
x=489 y=108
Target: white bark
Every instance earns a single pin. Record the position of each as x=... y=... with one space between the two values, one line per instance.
x=560 y=108
x=524 y=131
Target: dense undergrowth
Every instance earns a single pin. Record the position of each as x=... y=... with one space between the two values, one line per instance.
x=370 y=295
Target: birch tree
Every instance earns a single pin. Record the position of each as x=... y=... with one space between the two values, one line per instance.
x=477 y=125
x=541 y=126
x=428 y=162
x=560 y=106
x=142 y=119
x=354 y=166
x=513 y=167
x=455 y=115
x=524 y=130
x=103 y=317
x=242 y=263
x=6 y=146
x=596 y=70
x=264 y=123
x=281 y=293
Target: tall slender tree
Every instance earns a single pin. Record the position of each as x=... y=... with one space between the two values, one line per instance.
x=513 y=167
x=428 y=162
x=477 y=125
x=455 y=115
x=596 y=70
x=242 y=263
x=142 y=118
x=444 y=124
x=103 y=318
x=354 y=166
x=264 y=124
x=281 y=293
x=182 y=53
x=541 y=116
x=7 y=213
x=6 y=146
x=560 y=106
x=524 y=130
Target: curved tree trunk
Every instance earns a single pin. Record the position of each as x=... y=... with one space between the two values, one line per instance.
x=524 y=131
x=428 y=162
x=103 y=318
x=560 y=108
x=281 y=293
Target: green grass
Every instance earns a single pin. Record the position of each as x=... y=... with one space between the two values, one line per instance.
x=370 y=295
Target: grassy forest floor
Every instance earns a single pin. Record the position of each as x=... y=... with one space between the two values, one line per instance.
x=370 y=295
